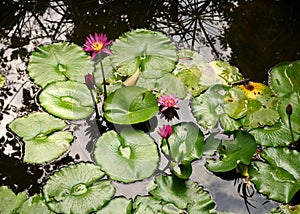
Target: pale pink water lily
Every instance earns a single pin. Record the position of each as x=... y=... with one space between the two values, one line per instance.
x=166 y=131
x=97 y=44
x=168 y=101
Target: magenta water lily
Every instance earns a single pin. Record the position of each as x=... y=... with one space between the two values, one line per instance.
x=168 y=101
x=89 y=81
x=166 y=131
x=97 y=44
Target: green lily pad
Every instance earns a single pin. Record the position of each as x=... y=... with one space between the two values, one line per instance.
x=57 y=62
x=293 y=99
x=67 y=99
x=282 y=171
x=273 y=136
x=169 y=84
x=43 y=137
x=130 y=105
x=208 y=109
x=151 y=205
x=152 y=51
x=185 y=194
x=118 y=205
x=74 y=189
x=127 y=157
x=286 y=209
x=284 y=78
x=185 y=143
x=34 y=204
x=233 y=152
x=9 y=201
x=261 y=107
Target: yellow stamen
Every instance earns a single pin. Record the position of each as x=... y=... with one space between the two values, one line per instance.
x=97 y=46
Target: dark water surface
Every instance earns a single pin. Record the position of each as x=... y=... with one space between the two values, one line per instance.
x=252 y=35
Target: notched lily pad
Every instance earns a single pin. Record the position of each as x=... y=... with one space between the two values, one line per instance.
x=233 y=152
x=67 y=99
x=76 y=189
x=43 y=136
x=127 y=157
x=57 y=62
x=152 y=51
x=130 y=105
x=282 y=171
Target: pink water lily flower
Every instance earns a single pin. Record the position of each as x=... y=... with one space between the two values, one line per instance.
x=97 y=44
x=168 y=101
x=166 y=131
x=89 y=81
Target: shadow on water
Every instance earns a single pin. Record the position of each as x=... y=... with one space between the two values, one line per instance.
x=252 y=35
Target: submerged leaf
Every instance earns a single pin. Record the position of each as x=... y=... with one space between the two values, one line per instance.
x=233 y=152
x=67 y=100
x=130 y=105
x=152 y=51
x=282 y=171
x=127 y=157
x=183 y=193
x=74 y=189
x=43 y=137
x=57 y=62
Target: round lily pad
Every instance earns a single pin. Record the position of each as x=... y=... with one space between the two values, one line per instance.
x=67 y=99
x=130 y=105
x=57 y=62
x=43 y=136
x=75 y=189
x=9 y=201
x=119 y=205
x=35 y=204
x=127 y=157
x=152 y=51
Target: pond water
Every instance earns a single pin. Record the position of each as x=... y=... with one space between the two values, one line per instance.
x=252 y=35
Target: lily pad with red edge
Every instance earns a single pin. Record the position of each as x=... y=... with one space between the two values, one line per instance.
x=184 y=194
x=130 y=105
x=152 y=51
x=233 y=152
x=44 y=137
x=68 y=100
x=129 y=156
x=76 y=189
x=58 y=62
x=281 y=171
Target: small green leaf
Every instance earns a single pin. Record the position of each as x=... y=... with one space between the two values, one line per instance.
x=44 y=140
x=9 y=201
x=233 y=152
x=74 y=189
x=183 y=193
x=2 y=80
x=118 y=205
x=282 y=171
x=34 y=204
x=286 y=209
x=127 y=157
x=152 y=51
x=130 y=105
x=67 y=99
x=58 y=62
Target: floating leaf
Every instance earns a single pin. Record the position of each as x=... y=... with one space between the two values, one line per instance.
x=34 y=204
x=44 y=140
x=149 y=204
x=293 y=99
x=118 y=205
x=282 y=171
x=233 y=152
x=127 y=157
x=150 y=50
x=169 y=84
x=285 y=78
x=74 y=189
x=183 y=193
x=67 y=100
x=57 y=62
x=2 y=80
x=130 y=105
x=286 y=209
x=9 y=201
x=185 y=143
x=208 y=108
x=273 y=136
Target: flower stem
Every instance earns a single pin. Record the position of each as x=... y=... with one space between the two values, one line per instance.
x=95 y=106
x=103 y=77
